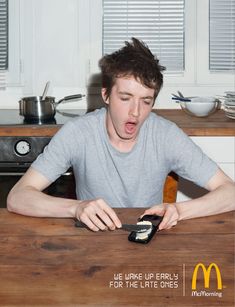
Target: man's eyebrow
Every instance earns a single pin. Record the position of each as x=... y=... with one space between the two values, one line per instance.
x=129 y=94
x=125 y=93
x=147 y=97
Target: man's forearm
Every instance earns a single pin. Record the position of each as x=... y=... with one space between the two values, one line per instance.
x=31 y=202
x=218 y=201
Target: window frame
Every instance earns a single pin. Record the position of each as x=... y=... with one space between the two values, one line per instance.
x=13 y=73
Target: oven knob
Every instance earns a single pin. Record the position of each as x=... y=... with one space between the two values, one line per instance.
x=22 y=148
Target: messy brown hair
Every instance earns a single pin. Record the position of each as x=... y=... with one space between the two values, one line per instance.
x=134 y=59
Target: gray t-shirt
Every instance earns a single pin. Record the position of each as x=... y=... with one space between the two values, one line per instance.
x=132 y=179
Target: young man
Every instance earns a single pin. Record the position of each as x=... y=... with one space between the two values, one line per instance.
x=122 y=154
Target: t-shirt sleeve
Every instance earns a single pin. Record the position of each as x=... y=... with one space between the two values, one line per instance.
x=187 y=159
x=57 y=156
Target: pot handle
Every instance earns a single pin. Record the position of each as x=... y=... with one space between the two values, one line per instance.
x=70 y=97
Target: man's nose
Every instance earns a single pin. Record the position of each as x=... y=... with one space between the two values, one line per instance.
x=135 y=109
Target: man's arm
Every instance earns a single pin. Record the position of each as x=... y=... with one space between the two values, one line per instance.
x=220 y=199
x=27 y=198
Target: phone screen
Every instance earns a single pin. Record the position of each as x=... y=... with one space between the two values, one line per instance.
x=141 y=237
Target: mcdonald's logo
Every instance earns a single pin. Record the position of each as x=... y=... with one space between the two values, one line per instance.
x=206 y=273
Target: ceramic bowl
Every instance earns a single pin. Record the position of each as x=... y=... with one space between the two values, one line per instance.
x=200 y=106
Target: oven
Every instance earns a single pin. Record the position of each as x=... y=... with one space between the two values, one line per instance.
x=18 y=152
x=16 y=156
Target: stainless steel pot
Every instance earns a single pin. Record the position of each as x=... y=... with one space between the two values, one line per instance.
x=35 y=108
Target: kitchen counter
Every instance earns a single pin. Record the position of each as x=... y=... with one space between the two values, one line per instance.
x=49 y=262
x=216 y=124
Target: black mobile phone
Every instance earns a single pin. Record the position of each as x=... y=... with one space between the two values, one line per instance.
x=142 y=237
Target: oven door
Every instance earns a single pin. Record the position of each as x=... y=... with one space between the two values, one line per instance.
x=9 y=175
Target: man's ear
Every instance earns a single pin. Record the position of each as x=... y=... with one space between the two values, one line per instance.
x=103 y=93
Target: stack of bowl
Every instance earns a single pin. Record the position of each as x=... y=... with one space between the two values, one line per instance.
x=229 y=104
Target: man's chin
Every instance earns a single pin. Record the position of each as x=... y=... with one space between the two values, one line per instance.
x=128 y=136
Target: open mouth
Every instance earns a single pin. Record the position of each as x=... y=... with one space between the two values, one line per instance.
x=130 y=127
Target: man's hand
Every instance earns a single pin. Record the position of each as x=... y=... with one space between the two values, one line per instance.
x=169 y=213
x=97 y=215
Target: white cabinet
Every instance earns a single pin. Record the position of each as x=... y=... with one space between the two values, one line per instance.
x=219 y=149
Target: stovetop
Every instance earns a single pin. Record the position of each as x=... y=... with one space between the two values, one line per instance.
x=11 y=117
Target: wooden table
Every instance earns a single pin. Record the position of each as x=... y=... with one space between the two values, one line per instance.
x=216 y=124
x=49 y=262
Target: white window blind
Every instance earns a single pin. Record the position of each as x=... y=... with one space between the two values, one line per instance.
x=222 y=35
x=160 y=24
x=3 y=42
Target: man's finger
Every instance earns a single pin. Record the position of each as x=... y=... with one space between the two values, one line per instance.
x=111 y=214
x=105 y=218
x=156 y=210
x=86 y=220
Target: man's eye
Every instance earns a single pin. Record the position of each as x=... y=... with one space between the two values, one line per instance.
x=148 y=102
x=125 y=98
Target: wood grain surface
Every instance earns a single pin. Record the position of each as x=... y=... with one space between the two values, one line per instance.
x=49 y=262
x=217 y=124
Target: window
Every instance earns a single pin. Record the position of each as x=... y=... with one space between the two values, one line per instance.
x=117 y=22
x=3 y=34
x=160 y=24
x=222 y=35
x=178 y=31
x=210 y=62
x=106 y=28
x=3 y=42
x=13 y=73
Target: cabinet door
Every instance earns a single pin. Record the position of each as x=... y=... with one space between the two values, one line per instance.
x=219 y=149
